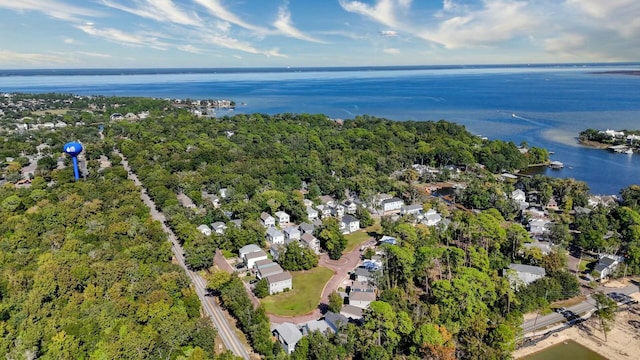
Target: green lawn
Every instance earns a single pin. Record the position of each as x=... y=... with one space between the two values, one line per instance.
x=305 y=296
x=355 y=239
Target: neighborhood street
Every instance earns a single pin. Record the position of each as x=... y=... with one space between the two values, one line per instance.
x=210 y=306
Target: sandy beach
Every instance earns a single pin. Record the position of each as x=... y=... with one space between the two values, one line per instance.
x=623 y=341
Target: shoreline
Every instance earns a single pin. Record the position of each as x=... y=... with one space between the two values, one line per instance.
x=622 y=341
x=594 y=144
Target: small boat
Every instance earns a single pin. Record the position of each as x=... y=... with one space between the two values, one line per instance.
x=556 y=165
x=629 y=151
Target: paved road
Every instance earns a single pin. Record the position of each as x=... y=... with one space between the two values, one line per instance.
x=530 y=326
x=211 y=308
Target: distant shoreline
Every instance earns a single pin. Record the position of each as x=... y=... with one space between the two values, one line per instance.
x=618 y=72
x=593 y=144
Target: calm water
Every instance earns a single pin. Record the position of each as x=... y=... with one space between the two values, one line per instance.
x=545 y=106
x=567 y=350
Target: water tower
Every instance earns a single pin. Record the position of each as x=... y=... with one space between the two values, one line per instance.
x=73 y=149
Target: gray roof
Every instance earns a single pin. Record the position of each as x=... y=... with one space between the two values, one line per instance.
x=264 y=216
x=362 y=296
x=306 y=227
x=351 y=311
x=273 y=232
x=255 y=255
x=272 y=279
x=270 y=270
x=316 y=325
x=347 y=219
x=249 y=249
x=528 y=269
x=392 y=200
x=307 y=237
x=292 y=230
x=264 y=263
x=335 y=320
x=362 y=272
x=289 y=332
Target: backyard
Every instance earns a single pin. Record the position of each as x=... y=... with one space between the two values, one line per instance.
x=305 y=295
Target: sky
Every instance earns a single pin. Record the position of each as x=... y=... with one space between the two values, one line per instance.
x=304 y=33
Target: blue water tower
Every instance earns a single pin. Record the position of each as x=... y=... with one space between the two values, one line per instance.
x=73 y=149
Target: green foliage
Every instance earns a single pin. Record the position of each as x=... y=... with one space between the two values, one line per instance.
x=605 y=312
x=331 y=238
x=297 y=257
x=335 y=302
x=261 y=289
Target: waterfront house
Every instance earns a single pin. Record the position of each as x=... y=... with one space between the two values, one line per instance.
x=288 y=336
x=279 y=282
x=282 y=217
x=267 y=220
x=606 y=266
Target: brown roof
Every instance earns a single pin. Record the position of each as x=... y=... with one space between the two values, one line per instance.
x=279 y=277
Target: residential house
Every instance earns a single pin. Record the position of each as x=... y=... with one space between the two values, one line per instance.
x=266 y=271
x=338 y=211
x=519 y=274
x=292 y=233
x=213 y=199
x=364 y=275
x=275 y=236
x=361 y=299
x=224 y=193
x=312 y=213
x=538 y=227
x=431 y=218
x=288 y=335
x=237 y=223
x=518 y=195
x=335 y=321
x=251 y=258
x=267 y=220
x=279 y=282
x=349 y=224
x=320 y=326
x=311 y=242
x=260 y=264
x=411 y=209
x=204 y=229
x=307 y=202
x=219 y=227
x=388 y=240
x=248 y=249
x=351 y=312
x=306 y=228
x=357 y=286
x=275 y=251
x=606 y=266
x=328 y=200
x=283 y=218
x=324 y=210
x=350 y=207
x=392 y=204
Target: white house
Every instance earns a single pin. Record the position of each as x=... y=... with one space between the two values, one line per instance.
x=312 y=213
x=279 y=282
x=282 y=217
x=351 y=312
x=248 y=249
x=327 y=200
x=219 y=227
x=267 y=220
x=311 y=242
x=518 y=195
x=338 y=211
x=361 y=299
x=431 y=218
x=265 y=271
x=519 y=274
x=291 y=234
x=275 y=236
x=306 y=228
x=288 y=335
x=392 y=204
x=349 y=224
x=325 y=211
x=350 y=206
x=606 y=266
x=204 y=229
x=363 y=275
x=251 y=258
x=411 y=209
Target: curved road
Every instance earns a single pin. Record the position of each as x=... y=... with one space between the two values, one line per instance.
x=211 y=308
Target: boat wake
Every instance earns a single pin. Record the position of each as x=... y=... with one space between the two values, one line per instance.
x=513 y=115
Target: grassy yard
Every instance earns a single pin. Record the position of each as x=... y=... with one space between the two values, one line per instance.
x=305 y=296
x=355 y=239
x=52 y=112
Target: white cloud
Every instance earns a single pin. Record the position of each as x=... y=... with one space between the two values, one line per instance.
x=190 y=49
x=388 y=33
x=283 y=23
x=621 y=16
x=496 y=22
x=392 y=51
x=159 y=10
x=10 y=58
x=52 y=8
x=69 y=41
x=384 y=11
x=216 y=9
x=125 y=38
x=94 y=54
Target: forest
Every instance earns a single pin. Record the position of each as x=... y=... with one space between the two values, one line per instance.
x=441 y=294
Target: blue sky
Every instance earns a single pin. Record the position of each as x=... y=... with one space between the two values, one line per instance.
x=264 y=33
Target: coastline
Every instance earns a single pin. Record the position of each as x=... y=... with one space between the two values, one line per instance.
x=622 y=341
x=594 y=144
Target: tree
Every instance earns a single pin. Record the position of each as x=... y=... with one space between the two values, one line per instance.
x=331 y=238
x=365 y=217
x=261 y=288
x=335 y=302
x=217 y=279
x=605 y=312
x=297 y=257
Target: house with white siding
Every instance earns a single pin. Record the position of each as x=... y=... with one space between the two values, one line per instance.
x=267 y=220
x=279 y=282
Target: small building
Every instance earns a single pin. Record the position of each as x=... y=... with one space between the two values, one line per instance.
x=606 y=266
x=349 y=224
x=311 y=242
x=288 y=335
x=351 y=312
x=266 y=271
x=260 y=264
x=363 y=275
x=219 y=227
x=335 y=321
x=350 y=207
x=306 y=228
x=328 y=200
x=312 y=213
x=324 y=210
x=431 y=218
x=275 y=251
x=275 y=236
x=282 y=217
x=392 y=204
x=292 y=233
x=267 y=220
x=338 y=211
x=248 y=249
x=360 y=286
x=388 y=240
x=518 y=195
x=251 y=258
x=279 y=282
x=237 y=223
x=519 y=274
x=415 y=209
x=361 y=299
x=320 y=326
x=204 y=229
